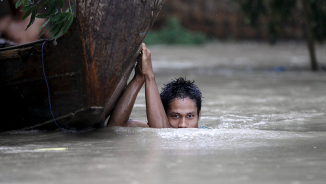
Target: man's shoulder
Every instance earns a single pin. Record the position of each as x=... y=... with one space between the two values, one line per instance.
x=136 y=123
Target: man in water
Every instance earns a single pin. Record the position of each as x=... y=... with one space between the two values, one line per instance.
x=178 y=105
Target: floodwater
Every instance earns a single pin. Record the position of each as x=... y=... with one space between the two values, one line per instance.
x=266 y=111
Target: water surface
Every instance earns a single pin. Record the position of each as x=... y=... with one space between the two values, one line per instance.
x=266 y=109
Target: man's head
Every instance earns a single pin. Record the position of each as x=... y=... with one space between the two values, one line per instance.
x=182 y=99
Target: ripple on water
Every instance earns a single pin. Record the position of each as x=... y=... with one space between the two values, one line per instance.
x=210 y=139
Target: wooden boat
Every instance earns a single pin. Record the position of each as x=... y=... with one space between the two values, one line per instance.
x=87 y=68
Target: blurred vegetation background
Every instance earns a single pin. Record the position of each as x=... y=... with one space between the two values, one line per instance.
x=200 y=21
x=192 y=22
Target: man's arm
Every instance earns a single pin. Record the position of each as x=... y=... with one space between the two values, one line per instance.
x=154 y=108
x=121 y=113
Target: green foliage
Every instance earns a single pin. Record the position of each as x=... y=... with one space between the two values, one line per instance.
x=54 y=15
x=173 y=33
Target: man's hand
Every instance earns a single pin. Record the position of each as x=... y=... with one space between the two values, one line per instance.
x=147 y=69
x=138 y=68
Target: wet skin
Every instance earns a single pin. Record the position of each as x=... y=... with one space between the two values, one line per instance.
x=183 y=113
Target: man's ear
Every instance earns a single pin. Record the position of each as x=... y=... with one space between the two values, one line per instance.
x=199 y=115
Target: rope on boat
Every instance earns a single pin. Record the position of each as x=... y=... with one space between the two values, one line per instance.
x=47 y=85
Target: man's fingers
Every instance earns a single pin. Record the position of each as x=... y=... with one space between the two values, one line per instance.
x=144 y=46
x=146 y=52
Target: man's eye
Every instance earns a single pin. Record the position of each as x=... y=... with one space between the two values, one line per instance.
x=175 y=116
x=190 y=116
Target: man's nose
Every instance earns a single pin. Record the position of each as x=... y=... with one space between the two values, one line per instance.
x=182 y=123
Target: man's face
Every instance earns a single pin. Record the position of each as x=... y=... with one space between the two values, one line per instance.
x=183 y=113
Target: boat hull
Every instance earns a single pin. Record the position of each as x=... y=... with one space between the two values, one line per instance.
x=87 y=68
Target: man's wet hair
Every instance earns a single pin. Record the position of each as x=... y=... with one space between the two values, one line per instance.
x=180 y=88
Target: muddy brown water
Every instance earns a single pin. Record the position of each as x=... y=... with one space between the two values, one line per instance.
x=266 y=112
